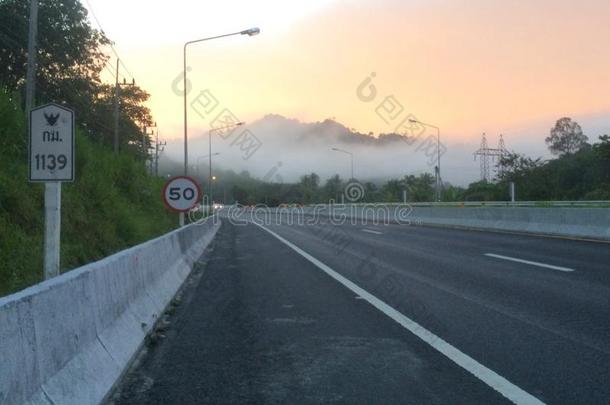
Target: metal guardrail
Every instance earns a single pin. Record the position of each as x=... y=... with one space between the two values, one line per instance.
x=536 y=204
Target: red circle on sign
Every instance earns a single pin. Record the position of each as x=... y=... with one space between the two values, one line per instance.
x=181 y=203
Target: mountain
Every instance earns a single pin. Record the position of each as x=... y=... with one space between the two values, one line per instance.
x=288 y=148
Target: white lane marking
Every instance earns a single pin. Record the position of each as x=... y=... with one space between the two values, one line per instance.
x=514 y=259
x=371 y=231
x=489 y=377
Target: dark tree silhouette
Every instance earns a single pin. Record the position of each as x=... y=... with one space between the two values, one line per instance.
x=566 y=137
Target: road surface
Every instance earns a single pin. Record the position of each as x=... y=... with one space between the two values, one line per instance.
x=384 y=314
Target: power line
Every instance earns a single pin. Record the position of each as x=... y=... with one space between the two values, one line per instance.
x=488 y=155
x=121 y=63
x=110 y=69
x=97 y=21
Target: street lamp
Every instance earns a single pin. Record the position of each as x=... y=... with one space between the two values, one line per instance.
x=351 y=156
x=250 y=32
x=204 y=157
x=210 y=152
x=438 y=155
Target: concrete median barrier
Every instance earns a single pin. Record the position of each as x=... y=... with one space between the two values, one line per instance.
x=584 y=223
x=587 y=223
x=68 y=340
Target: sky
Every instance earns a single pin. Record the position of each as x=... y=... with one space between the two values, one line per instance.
x=467 y=66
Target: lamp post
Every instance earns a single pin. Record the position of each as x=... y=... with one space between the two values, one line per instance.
x=438 y=155
x=210 y=154
x=250 y=32
x=351 y=157
x=203 y=157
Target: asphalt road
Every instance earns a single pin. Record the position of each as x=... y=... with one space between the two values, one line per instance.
x=491 y=315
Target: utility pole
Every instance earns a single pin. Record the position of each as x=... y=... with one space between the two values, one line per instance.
x=30 y=83
x=117 y=102
x=159 y=147
x=117 y=89
x=489 y=155
x=52 y=190
x=145 y=147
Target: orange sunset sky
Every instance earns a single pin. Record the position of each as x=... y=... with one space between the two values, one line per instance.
x=467 y=66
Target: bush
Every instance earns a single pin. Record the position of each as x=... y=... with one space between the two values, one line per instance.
x=112 y=204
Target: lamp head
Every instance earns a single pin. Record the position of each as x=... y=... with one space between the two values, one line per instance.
x=251 y=31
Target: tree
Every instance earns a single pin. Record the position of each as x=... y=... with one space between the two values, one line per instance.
x=566 y=137
x=309 y=187
x=451 y=192
x=602 y=150
x=70 y=59
x=333 y=188
x=420 y=188
x=515 y=166
x=392 y=190
x=69 y=49
x=133 y=116
x=370 y=192
x=483 y=191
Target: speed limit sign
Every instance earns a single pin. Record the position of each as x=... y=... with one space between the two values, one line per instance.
x=181 y=193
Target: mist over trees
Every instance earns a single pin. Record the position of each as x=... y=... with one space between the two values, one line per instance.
x=580 y=172
x=71 y=59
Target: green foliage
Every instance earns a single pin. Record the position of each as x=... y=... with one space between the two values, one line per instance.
x=483 y=191
x=70 y=59
x=581 y=175
x=566 y=137
x=333 y=188
x=112 y=204
x=309 y=188
x=452 y=193
x=420 y=188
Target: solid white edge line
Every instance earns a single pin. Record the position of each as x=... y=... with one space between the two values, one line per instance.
x=489 y=377
x=515 y=259
x=371 y=231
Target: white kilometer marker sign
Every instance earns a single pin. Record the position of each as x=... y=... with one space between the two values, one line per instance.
x=51 y=160
x=489 y=377
x=514 y=259
x=371 y=231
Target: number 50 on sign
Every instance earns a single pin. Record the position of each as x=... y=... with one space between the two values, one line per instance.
x=181 y=193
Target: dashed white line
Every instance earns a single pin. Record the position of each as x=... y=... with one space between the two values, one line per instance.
x=371 y=231
x=515 y=259
x=486 y=375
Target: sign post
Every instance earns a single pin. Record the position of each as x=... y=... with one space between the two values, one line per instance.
x=181 y=194
x=51 y=160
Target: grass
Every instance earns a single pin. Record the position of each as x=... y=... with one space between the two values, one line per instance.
x=112 y=204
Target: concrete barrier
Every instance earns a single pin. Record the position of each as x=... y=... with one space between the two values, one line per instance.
x=584 y=223
x=67 y=340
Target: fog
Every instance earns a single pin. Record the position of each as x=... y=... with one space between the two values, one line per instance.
x=278 y=149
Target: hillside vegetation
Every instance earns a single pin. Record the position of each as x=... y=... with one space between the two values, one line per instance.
x=112 y=204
